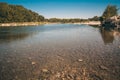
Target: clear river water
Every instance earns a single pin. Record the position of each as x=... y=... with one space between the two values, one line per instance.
x=59 y=52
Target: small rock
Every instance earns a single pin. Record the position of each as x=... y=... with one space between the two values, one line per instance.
x=8 y=61
x=16 y=77
x=44 y=70
x=29 y=58
x=33 y=63
x=119 y=46
x=78 y=78
x=80 y=60
x=95 y=77
x=15 y=50
x=74 y=70
x=70 y=76
x=63 y=78
x=103 y=67
x=58 y=75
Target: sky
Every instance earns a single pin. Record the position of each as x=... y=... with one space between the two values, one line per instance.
x=66 y=8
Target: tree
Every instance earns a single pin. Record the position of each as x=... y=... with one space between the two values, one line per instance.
x=110 y=11
x=17 y=13
x=95 y=18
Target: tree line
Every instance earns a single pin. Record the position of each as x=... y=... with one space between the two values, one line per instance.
x=110 y=11
x=17 y=13
x=74 y=20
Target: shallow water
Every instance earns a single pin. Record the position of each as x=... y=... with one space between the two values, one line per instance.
x=59 y=52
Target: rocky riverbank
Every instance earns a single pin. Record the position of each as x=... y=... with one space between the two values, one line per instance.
x=111 y=23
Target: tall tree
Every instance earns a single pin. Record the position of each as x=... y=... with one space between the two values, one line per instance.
x=110 y=11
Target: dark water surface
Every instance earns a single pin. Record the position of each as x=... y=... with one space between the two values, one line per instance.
x=59 y=52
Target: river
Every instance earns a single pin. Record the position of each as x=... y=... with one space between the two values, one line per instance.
x=59 y=52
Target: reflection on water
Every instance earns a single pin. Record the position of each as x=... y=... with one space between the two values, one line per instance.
x=59 y=52
x=108 y=36
x=16 y=33
x=11 y=37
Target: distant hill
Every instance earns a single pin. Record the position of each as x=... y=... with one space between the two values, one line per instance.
x=17 y=13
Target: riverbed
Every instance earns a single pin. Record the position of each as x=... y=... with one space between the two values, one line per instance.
x=59 y=52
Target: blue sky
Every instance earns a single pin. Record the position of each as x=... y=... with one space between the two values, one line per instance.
x=66 y=8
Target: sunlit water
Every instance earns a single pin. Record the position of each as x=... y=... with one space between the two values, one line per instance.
x=59 y=52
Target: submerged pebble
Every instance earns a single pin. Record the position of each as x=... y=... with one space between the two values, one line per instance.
x=103 y=67
x=119 y=46
x=29 y=58
x=95 y=77
x=33 y=63
x=80 y=60
x=58 y=75
x=44 y=70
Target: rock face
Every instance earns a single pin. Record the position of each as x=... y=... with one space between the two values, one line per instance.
x=112 y=23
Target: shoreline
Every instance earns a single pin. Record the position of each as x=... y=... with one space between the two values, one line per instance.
x=22 y=24
x=94 y=23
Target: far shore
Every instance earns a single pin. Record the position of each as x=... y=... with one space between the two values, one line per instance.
x=94 y=23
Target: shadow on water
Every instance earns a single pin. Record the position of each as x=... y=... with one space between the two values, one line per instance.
x=108 y=35
x=16 y=33
x=11 y=36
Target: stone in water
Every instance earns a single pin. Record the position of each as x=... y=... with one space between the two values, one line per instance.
x=80 y=60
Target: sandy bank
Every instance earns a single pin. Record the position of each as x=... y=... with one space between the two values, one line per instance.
x=22 y=24
x=39 y=23
x=90 y=23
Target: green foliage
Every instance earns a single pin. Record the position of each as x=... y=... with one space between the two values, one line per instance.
x=95 y=18
x=110 y=11
x=75 y=20
x=17 y=13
